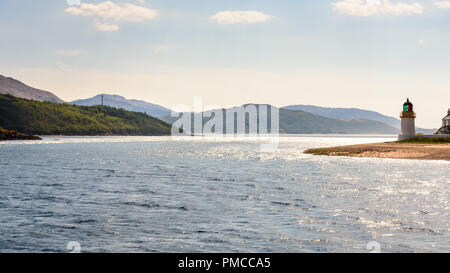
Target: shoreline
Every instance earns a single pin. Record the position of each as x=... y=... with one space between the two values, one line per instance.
x=5 y=136
x=396 y=150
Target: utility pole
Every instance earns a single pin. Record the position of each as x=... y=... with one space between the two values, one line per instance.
x=102 y=100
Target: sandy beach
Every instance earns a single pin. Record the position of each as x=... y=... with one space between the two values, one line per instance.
x=398 y=150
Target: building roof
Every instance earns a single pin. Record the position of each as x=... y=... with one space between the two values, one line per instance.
x=407 y=102
x=448 y=116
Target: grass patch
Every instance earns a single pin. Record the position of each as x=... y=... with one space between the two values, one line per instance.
x=319 y=151
x=427 y=140
x=336 y=151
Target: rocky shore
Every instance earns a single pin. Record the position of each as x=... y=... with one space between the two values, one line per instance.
x=15 y=135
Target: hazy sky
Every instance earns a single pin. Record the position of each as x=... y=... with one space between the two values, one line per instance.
x=336 y=53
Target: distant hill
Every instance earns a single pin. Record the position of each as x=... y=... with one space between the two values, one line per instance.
x=353 y=113
x=346 y=113
x=300 y=122
x=48 y=118
x=21 y=90
x=121 y=102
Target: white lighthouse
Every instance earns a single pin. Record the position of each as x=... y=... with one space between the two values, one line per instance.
x=408 y=121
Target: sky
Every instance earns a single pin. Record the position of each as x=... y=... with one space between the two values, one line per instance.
x=336 y=53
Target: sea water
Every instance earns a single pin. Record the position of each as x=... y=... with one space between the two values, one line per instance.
x=159 y=194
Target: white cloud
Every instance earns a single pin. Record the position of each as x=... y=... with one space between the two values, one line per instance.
x=73 y=2
x=366 y=8
x=73 y=52
x=106 y=26
x=65 y=68
x=111 y=11
x=442 y=4
x=236 y=17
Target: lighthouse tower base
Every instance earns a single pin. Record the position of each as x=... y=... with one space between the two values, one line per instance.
x=405 y=137
x=408 y=126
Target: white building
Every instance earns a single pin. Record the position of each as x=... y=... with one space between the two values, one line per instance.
x=445 y=129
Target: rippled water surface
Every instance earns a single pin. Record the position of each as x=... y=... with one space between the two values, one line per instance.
x=157 y=194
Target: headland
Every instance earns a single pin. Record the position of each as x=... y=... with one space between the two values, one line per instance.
x=417 y=148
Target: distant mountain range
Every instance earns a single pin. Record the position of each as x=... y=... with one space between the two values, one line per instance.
x=353 y=113
x=117 y=101
x=346 y=113
x=294 y=119
x=301 y=122
x=18 y=89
